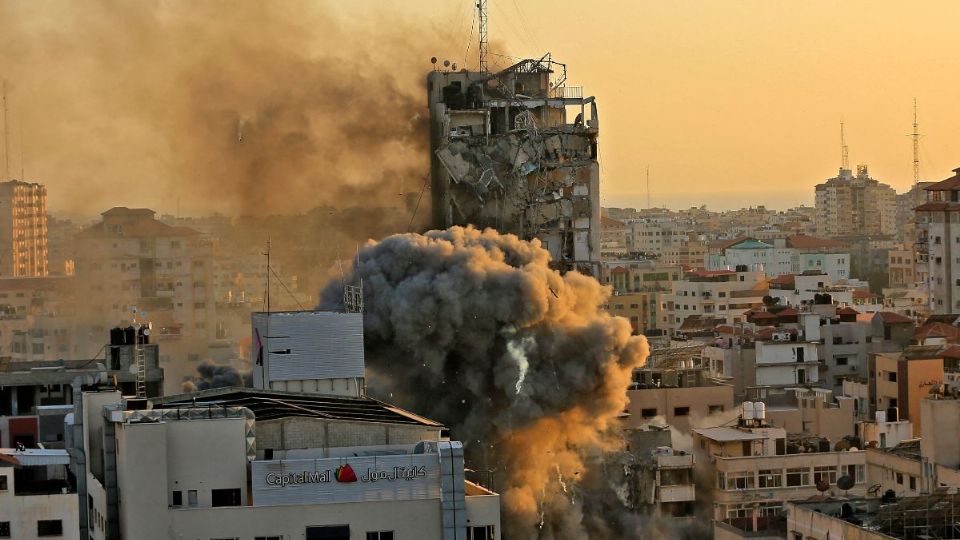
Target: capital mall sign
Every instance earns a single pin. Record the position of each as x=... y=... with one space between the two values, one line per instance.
x=345 y=474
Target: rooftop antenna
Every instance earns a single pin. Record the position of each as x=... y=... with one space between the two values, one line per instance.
x=267 y=295
x=648 y=186
x=844 y=157
x=484 y=41
x=916 y=144
x=6 y=136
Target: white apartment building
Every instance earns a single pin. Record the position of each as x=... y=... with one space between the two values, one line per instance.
x=721 y=294
x=37 y=497
x=783 y=359
x=939 y=242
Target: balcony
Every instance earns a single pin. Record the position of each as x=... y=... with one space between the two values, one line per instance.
x=675 y=462
x=683 y=493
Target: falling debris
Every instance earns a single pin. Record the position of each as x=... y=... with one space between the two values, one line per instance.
x=422 y=293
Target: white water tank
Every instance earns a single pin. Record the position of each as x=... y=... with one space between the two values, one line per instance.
x=747 y=412
x=760 y=410
x=881 y=417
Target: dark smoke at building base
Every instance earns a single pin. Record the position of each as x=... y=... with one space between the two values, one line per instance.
x=211 y=375
x=476 y=330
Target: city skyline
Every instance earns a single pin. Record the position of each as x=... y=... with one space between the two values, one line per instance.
x=729 y=106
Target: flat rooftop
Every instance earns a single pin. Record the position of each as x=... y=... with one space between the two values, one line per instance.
x=271 y=404
x=728 y=434
x=926 y=516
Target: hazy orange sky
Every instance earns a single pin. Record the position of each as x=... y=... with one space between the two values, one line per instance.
x=730 y=103
x=735 y=103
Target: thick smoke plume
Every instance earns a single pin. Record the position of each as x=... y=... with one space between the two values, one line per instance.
x=211 y=375
x=476 y=330
x=246 y=107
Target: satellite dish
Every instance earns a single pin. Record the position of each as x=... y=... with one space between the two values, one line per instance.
x=433 y=59
x=845 y=482
x=453 y=67
x=823 y=485
x=446 y=63
x=146 y=332
x=101 y=366
x=133 y=369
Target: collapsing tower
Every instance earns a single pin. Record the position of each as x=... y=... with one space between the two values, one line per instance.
x=506 y=155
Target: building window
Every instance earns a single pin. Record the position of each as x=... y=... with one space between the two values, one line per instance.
x=770 y=509
x=900 y=478
x=3 y=483
x=913 y=483
x=798 y=477
x=740 y=480
x=841 y=361
x=681 y=411
x=771 y=478
x=380 y=535
x=49 y=527
x=334 y=532
x=716 y=408
x=826 y=474
x=225 y=497
x=4 y=529
x=891 y=376
x=741 y=510
x=177 y=498
x=485 y=532
x=648 y=413
x=192 y=497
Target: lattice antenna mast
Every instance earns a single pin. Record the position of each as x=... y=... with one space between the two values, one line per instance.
x=916 y=144
x=484 y=41
x=844 y=155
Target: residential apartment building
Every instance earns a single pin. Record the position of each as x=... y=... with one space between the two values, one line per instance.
x=678 y=396
x=756 y=468
x=38 y=499
x=900 y=381
x=23 y=229
x=723 y=294
x=130 y=260
x=849 y=205
x=688 y=251
x=637 y=285
x=938 y=242
x=792 y=255
x=658 y=477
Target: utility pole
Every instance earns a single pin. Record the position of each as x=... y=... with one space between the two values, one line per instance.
x=844 y=157
x=484 y=42
x=916 y=144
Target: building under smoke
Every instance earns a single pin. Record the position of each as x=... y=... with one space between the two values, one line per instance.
x=506 y=155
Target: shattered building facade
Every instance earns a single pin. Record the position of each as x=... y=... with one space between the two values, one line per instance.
x=506 y=155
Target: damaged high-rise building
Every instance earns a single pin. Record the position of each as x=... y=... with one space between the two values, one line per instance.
x=507 y=155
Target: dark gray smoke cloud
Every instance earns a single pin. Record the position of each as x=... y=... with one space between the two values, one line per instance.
x=476 y=330
x=211 y=375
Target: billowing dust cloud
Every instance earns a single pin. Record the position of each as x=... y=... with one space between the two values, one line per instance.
x=245 y=107
x=476 y=330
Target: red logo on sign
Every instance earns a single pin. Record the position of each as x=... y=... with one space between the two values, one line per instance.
x=344 y=474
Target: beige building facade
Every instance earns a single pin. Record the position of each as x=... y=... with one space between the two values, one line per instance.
x=23 y=229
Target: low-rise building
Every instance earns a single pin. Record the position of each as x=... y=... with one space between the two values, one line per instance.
x=899 y=381
x=887 y=518
x=38 y=498
x=726 y=294
x=679 y=396
x=756 y=468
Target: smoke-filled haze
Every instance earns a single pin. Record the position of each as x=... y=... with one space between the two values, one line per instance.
x=244 y=107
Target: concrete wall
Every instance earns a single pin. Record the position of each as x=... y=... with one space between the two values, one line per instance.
x=894 y=472
x=941 y=445
x=297 y=433
x=811 y=525
x=814 y=416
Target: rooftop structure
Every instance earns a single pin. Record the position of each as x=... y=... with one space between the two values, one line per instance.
x=909 y=518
